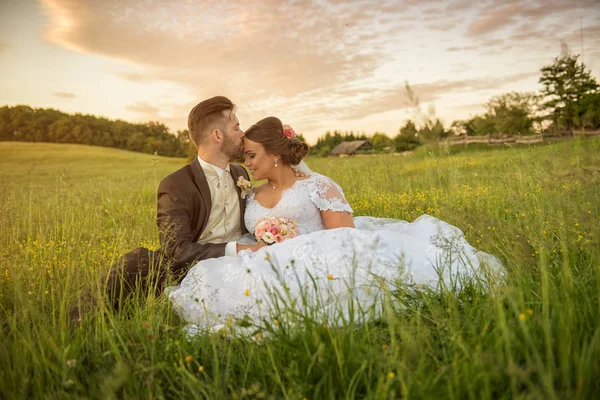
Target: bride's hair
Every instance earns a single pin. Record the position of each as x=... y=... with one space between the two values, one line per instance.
x=269 y=133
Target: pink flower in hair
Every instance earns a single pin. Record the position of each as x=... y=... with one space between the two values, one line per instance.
x=288 y=132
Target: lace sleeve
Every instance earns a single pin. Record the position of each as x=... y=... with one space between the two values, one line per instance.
x=328 y=195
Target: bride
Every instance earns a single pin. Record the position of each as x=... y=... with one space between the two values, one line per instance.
x=336 y=267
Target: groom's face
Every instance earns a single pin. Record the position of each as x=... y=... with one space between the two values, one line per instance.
x=233 y=145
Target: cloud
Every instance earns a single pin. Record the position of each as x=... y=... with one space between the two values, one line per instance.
x=313 y=61
x=494 y=20
x=492 y=43
x=262 y=55
x=460 y=5
x=230 y=43
x=442 y=27
x=144 y=108
x=357 y=103
x=64 y=95
x=499 y=15
x=462 y=48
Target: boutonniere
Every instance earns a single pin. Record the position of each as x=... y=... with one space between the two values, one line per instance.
x=244 y=185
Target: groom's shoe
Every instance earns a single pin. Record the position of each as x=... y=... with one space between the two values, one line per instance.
x=84 y=307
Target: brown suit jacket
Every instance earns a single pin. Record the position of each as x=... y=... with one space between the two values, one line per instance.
x=184 y=206
x=183 y=209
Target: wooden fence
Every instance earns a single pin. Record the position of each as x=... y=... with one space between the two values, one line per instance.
x=506 y=139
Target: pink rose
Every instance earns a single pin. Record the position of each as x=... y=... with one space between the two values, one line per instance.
x=275 y=230
x=260 y=230
x=278 y=238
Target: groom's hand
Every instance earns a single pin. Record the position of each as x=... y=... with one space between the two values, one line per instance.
x=298 y=173
x=253 y=247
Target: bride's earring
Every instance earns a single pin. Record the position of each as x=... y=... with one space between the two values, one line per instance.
x=275 y=162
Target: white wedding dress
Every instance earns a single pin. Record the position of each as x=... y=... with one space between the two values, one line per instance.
x=334 y=274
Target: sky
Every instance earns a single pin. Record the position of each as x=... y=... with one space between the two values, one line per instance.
x=318 y=65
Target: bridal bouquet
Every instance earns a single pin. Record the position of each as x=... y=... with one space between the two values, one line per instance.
x=271 y=230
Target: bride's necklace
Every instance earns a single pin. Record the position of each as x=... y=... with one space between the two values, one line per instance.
x=280 y=185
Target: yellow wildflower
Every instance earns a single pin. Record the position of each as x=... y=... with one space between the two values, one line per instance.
x=522 y=316
x=246 y=292
x=391 y=375
x=188 y=359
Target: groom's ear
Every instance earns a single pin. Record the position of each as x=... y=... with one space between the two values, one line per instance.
x=217 y=135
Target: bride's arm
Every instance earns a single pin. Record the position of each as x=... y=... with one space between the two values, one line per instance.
x=329 y=198
x=337 y=219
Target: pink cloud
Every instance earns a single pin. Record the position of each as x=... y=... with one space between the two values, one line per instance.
x=494 y=20
x=64 y=95
x=318 y=60
x=144 y=108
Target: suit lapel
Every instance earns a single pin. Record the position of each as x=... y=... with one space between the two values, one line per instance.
x=202 y=185
x=233 y=170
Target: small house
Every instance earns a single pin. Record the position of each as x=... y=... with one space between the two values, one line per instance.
x=351 y=148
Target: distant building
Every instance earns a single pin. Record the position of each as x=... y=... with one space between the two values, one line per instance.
x=351 y=148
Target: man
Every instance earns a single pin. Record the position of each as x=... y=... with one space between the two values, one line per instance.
x=200 y=210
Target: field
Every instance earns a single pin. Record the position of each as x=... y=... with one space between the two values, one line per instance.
x=69 y=211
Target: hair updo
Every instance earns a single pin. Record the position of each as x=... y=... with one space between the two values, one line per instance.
x=269 y=133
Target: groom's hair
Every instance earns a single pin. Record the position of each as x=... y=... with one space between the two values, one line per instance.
x=208 y=115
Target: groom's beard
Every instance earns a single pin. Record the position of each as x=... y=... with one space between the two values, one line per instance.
x=234 y=151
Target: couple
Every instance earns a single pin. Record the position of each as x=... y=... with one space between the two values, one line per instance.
x=337 y=263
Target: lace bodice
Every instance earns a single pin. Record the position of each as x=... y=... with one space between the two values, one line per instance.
x=303 y=203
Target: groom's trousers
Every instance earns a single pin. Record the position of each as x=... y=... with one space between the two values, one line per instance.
x=141 y=271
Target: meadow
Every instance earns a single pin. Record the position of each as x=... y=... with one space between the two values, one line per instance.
x=68 y=211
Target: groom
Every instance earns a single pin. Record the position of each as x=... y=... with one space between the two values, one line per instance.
x=200 y=210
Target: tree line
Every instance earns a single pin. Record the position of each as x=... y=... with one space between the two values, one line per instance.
x=27 y=124
x=569 y=100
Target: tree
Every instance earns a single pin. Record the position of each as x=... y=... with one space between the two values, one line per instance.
x=300 y=138
x=590 y=111
x=380 y=141
x=566 y=82
x=409 y=129
x=480 y=126
x=190 y=148
x=23 y=123
x=458 y=128
x=432 y=130
x=406 y=139
x=513 y=113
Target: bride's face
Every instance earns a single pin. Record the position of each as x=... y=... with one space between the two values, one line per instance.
x=258 y=160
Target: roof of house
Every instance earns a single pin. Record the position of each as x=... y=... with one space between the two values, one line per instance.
x=351 y=147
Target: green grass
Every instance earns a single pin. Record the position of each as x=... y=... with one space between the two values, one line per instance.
x=69 y=211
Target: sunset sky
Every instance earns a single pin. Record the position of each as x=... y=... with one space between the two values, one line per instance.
x=317 y=65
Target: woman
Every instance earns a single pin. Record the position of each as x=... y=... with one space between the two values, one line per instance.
x=338 y=265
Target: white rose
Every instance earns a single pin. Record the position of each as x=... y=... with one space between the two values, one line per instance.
x=268 y=238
